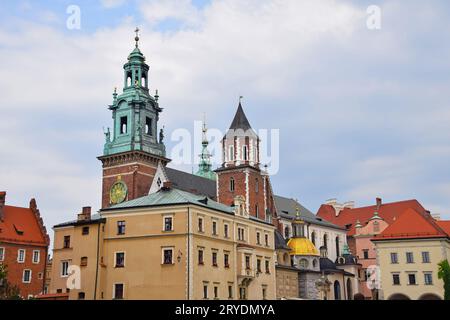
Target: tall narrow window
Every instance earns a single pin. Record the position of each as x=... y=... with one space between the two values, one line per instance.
x=123 y=125
x=245 y=153
x=168 y=256
x=256 y=211
x=247 y=262
x=396 y=279
x=258 y=266
x=200 y=257
x=36 y=256
x=266 y=240
x=168 y=224
x=216 y=292
x=120 y=259
x=21 y=256
x=2 y=254
x=225 y=230
x=256 y=185
x=338 y=251
x=226 y=260
x=425 y=257
x=205 y=291
x=313 y=238
x=200 y=225
x=231 y=153
x=267 y=266
x=409 y=257
x=394 y=257
x=325 y=241
x=148 y=126
x=214 y=228
x=26 y=276
x=64 y=268
x=214 y=259
x=230 y=291
x=232 y=184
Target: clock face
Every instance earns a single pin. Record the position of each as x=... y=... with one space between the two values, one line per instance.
x=118 y=192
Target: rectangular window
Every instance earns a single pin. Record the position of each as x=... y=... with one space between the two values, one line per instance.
x=36 y=256
x=83 y=262
x=118 y=291
x=394 y=257
x=214 y=259
x=120 y=227
x=120 y=260
x=266 y=239
x=168 y=224
x=123 y=125
x=64 y=268
x=226 y=260
x=242 y=293
x=256 y=185
x=230 y=291
x=168 y=256
x=428 y=278
x=366 y=254
x=412 y=279
x=85 y=231
x=216 y=292
x=66 y=243
x=409 y=257
x=81 y=295
x=214 y=228
x=200 y=257
x=2 y=254
x=247 y=262
x=231 y=153
x=200 y=225
x=245 y=153
x=256 y=211
x=396 y=279
x=267 y=266
x=258 y=265
x=148 y=126
x=21 y=256
x=241 y=234
x=225 y=230
x=264 y=292
x=205 y=291
x=258 y=238
x=425 y=257
x=26 y=276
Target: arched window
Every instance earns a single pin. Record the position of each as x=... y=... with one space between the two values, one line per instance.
x=256 y=185
x=231 y=153
x=337 y=290
x=245 y=153
x=232 y=184
x=313 y=237
x=338 y=251
x=286 y=232
x=349 y=290
x=325 y=240
x=314 y=263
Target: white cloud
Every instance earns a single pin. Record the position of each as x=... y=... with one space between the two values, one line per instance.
x=112 y=3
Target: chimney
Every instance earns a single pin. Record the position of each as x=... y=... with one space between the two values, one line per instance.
x=2 y=204
x=85 y=214
x=379 y=203
x=167 y=185
x=436 y=216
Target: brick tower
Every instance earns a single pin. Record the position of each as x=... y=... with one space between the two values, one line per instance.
x=131 y=155
x=240 y=173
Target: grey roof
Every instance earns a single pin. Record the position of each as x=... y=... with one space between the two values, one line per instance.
x=240 y=120
x=191 y=183
x=172 y=196
x=95 y=218
x=287 y=208
x=280 y=243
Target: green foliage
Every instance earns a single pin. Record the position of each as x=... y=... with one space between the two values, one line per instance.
x=7 y=291
x=444 y=274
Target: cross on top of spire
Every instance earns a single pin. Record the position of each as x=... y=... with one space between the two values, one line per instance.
x=137 y=36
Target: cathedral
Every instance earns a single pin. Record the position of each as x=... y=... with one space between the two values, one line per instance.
x=221 y=233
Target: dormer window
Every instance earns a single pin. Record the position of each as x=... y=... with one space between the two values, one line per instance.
x=123 y=125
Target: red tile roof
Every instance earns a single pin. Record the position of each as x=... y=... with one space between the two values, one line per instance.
x=445 y=225
x=414 y=224
x=21 y=225
x=388 y=211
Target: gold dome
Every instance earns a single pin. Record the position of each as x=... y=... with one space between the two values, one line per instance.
x=302 y=247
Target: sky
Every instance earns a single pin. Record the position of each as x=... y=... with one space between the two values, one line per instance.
x=361 y=113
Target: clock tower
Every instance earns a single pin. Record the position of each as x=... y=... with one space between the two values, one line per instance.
x=134 y=148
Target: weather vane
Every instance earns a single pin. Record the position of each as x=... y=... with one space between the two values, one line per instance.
x=137 y=36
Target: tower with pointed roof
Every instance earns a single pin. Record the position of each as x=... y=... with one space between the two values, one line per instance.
x=134 y=148
x=241 y=173
x=204 y=167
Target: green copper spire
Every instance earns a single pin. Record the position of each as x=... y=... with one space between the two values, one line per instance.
x=135 y=112
x=204 y=167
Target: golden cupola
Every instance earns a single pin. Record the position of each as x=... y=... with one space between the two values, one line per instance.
x=299 y=244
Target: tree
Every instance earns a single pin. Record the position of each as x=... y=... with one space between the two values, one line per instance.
x=444 y=274
x=7 y=290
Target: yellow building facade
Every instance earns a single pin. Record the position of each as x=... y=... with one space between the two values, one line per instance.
x=168 y=245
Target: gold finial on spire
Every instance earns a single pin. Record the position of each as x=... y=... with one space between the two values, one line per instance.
x=240 y=99
x=137 y=37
